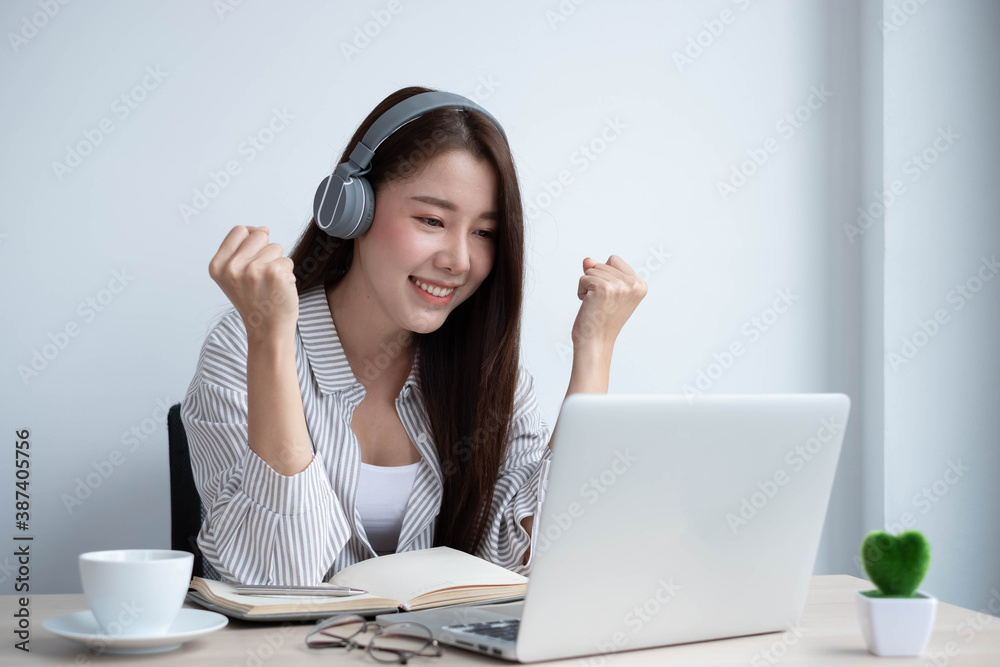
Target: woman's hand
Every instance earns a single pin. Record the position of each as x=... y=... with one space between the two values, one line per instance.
x=258 y=279
x=610 y=292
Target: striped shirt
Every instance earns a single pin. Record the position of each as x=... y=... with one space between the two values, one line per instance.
x=261 y=527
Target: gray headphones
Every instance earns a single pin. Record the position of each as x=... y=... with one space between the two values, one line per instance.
x=344 y=205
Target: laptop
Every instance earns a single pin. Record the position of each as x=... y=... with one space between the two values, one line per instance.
x=666 y=519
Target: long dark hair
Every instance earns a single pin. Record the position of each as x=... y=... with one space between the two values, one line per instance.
x=469 y=366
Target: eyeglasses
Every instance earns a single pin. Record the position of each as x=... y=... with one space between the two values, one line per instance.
x=396 y=642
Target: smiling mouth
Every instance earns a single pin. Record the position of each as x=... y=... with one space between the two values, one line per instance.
x=432 y=290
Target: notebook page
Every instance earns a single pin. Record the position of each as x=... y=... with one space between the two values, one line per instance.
x=406 y=575
x=223 y=592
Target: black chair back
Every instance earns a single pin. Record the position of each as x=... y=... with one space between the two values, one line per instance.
x=185 y=503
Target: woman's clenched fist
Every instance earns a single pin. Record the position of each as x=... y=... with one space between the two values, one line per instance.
x=610 y=293
x=258 y=279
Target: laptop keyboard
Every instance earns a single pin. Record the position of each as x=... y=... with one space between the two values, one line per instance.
x=506 y=630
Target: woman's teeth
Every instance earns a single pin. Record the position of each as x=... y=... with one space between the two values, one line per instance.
x=436 y=291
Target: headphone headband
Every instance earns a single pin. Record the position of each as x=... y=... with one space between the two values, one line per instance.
x=344 y=205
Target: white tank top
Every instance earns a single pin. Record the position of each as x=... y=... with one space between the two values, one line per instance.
x=383 y=492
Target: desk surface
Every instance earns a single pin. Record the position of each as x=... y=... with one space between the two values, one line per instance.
x=829 y=625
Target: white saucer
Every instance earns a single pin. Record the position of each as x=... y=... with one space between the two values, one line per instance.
x=81 y=626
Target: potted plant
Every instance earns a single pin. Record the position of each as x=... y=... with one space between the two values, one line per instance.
x=896 y=619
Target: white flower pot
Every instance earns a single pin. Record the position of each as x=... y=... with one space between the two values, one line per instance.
x=896 y=626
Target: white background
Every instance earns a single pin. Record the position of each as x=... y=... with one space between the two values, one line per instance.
x=555 y=75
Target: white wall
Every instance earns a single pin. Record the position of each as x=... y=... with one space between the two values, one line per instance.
x=942 y=375
x=554 y=84
x=870 y=243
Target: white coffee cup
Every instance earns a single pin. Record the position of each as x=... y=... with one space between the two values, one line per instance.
x=135 y=592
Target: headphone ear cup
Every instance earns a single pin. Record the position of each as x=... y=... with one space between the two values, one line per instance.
x=344 y=210
x=367 y=206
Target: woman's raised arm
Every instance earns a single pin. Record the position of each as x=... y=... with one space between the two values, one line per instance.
x=272 y=514
x=259 y=281
x=610 y=293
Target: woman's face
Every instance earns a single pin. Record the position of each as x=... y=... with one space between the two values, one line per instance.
x=438 y=228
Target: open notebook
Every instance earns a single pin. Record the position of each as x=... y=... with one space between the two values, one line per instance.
x=405 y=581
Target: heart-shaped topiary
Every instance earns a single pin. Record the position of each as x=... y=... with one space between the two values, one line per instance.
x=896 y=564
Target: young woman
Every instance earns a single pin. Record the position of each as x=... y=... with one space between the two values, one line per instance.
x=365 y=396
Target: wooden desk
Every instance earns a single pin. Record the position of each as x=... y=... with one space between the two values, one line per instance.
x=830 y=636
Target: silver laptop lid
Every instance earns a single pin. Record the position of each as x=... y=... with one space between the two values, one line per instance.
x=670 y=519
